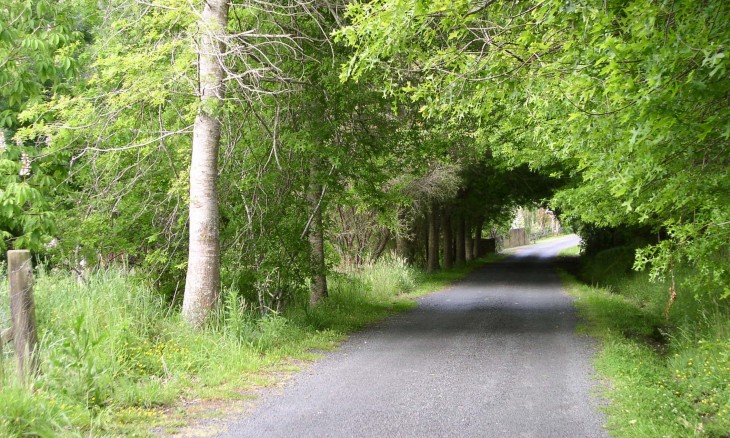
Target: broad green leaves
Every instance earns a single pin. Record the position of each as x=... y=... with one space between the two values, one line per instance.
x=39 y=43
x=24 y=217
x=631 y=98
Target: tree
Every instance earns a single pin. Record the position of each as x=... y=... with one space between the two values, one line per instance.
x=318 y=288
x=628 y=96
x=202 y=284
x=432 y=257
x=39 y=46
x=448 y=238
x=145 y=98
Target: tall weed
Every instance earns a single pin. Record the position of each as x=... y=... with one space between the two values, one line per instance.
x=390 y=276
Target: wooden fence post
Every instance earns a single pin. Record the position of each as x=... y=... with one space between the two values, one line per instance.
x=22 y=311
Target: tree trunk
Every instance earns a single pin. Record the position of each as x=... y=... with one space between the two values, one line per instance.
x=448 y=240
x=22 y=313
x=202 y=283
x=468 y=241
x=402 y=248
x=432 y=264
x=477 y=247
x=382 y=244
x=420 y=242
x=318 y=286
x=460 y=238
x=403 y=244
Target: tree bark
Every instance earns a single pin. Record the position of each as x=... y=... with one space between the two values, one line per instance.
x=478 y=237
x=202 y=283
x=402 y=248
x=468 y=241
x=22 y=310
x=448 y=239
x=404 y=241
x=382 y=244
x=460 y=238
x=318 y=286
x=432 y=264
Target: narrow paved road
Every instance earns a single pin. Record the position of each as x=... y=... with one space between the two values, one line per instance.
x=495 y=355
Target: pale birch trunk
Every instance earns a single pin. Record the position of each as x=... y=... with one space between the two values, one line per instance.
x=202 y=284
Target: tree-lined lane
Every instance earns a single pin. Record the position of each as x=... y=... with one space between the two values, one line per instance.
x=494 y=355
x=545 y=250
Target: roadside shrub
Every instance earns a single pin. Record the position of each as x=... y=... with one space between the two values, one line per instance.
x=608 y=264
x=667 y=359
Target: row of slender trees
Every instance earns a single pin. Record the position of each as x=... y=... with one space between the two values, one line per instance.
x=257 y=145
x=451 y=231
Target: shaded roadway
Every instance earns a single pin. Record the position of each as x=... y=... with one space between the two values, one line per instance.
x=495 y=355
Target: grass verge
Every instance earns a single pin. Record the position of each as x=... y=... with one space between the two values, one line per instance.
x=573 y=251
x=116 y=360
x=665 y=377
x=550 y=238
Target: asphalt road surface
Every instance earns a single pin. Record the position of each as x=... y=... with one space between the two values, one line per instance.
x=495 y=355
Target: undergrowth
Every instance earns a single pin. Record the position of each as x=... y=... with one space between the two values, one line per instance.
x=667 y=371
x=115 y=358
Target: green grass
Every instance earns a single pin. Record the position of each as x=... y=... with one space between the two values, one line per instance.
x=116 y=360
x=550 y=238
x=664 y=377
x=573 y=251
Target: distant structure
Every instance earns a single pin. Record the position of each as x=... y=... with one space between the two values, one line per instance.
x=530 y=224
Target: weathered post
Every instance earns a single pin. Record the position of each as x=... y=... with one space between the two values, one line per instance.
x=22 y=311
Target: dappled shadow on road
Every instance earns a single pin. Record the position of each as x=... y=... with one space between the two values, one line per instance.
x=493 y=355
x=516 y=296
x=519 y=272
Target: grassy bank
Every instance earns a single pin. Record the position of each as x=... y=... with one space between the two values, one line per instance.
x=664 y=376
x=116 y=360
